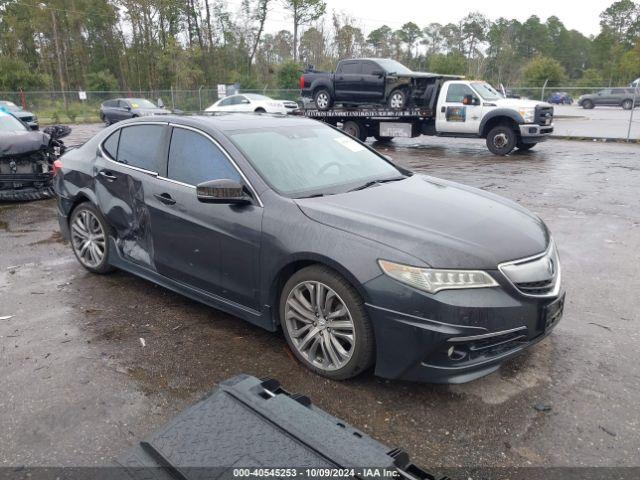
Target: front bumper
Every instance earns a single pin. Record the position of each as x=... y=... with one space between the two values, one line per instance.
x=533 y=133
x=455 y=336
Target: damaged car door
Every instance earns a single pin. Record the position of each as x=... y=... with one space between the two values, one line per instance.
x=211 y=247
x=126 y=167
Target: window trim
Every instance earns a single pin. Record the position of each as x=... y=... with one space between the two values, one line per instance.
x=110 y=159
x=224 y=152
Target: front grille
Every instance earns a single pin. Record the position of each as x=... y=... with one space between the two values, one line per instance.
x=537 y=288
x=544 y=115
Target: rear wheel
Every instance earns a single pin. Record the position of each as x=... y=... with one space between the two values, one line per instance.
x=501 y=140
x=322 y=99
x=260 y=110
x=325 y=323
x=398 y=99
x=627 y=104
x=89 y=238
x=587 y=104
x=355 y=129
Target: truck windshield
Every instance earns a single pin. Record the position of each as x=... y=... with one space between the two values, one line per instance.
x=391 y=66
x=306 y=160
x=486 y=91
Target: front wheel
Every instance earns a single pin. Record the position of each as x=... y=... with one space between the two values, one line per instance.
x=501 y=140
x=89 y=238
x=397 y=100
x=588 y=104
x=325 y=323
x=627 y=104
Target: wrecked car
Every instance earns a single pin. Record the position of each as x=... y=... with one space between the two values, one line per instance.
x=30 y=119
x=27 y=159
x=294 y=225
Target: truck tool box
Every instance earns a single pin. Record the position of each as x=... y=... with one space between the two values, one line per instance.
x=249 y=427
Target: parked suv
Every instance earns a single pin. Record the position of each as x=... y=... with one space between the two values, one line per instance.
x=622 y=97
x=113 y=111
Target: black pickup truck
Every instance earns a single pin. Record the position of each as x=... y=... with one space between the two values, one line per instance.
x=369 y=80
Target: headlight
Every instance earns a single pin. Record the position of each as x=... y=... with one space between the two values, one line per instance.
x=528 y=114
x=433 y=280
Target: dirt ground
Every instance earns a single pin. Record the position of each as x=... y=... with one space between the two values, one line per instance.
x=78 y=387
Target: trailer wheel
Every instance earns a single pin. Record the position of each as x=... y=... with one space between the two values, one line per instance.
x=382 y=139
x=501 y=140
x=355 y=129
x=322 y=99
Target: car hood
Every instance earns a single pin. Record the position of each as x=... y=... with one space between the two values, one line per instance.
x=444 y=224
x=21 y=142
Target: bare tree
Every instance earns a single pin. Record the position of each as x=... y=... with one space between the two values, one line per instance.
x=303 y=12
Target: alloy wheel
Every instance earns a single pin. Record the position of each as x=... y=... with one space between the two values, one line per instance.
x=322 y=100
x=397 y=100
x=88 y=238
x=320 y=325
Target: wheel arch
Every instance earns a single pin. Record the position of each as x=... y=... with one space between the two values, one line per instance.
x=500 y=117
x=297 y=263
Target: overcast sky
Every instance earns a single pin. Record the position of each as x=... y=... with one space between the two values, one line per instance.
x=370 y=14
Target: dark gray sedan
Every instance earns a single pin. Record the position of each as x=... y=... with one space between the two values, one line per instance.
x=291 y=224
x=119 y=109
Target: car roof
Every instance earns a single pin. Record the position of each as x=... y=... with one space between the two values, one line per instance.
x=230 y=121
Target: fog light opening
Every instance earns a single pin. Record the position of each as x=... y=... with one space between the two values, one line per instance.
x=456 y=354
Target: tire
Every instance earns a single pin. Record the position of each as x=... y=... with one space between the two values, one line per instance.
x=587 y=104
x=355 y=129
x=348 y=357
x=27 y=194
x=525 y=146
x=260 y=110
x=383 y=139
x=627 y=104
x=322 y=99
x=397 y=99
x=87 y=217
x=105 y=119
x=501 y=140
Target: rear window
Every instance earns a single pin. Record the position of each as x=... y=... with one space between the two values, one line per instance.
x=350 y=67
x=140 y=145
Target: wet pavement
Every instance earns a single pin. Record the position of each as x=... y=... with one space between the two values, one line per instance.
x=78 y=387
x=601 y=122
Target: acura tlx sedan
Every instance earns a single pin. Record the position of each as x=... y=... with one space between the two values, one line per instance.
x=289 y=223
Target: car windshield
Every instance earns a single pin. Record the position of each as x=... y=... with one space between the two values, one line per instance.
x=306 y=160
x=9 y=106
x=9 y=123
x=255 y=96
x=141 y=103
x=391 y=66
x=486 y=91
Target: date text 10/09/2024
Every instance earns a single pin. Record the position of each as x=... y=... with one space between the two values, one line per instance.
x=316 y=472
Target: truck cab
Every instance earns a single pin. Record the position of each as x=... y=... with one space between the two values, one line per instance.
x=475 y=108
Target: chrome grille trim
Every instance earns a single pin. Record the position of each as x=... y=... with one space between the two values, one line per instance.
x=549 y=287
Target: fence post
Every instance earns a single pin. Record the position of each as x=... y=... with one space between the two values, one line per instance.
x=173 y=102
x=543 y=89
x=200 y=98
x=633 y=107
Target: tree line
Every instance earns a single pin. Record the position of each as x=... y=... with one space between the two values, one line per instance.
x=156 y=44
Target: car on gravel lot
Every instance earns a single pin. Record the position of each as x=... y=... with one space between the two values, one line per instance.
x=27 y=159
x=30 y=119
x=251 y=102
x=119 y=109
x=618 y=97
x=291 y=224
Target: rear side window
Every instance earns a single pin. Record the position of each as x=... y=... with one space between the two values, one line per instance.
x=140 y=146
x=350 y=67
x=618 y=91
x=194 y=159
x=110 y=145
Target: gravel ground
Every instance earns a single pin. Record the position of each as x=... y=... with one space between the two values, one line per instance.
x=78 y=388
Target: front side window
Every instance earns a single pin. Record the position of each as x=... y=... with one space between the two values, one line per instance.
x=140 y=146
x=194 y=159
x=457 y=91
x=618 y=91
x=303 y=160
x=225 y=102
x=369 y=67
x=487 y=92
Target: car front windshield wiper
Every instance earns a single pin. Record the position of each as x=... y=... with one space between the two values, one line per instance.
x=371 y=183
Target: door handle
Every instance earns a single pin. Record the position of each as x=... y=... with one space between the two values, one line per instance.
x=165 y=198
x=108 y=175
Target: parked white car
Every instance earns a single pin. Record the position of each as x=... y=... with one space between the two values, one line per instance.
x=251 y=102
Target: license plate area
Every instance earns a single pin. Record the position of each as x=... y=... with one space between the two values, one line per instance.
x=552 y=313
x=395 y=129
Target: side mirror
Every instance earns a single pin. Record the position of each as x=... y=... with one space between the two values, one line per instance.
x=379 y=73
x=223 y=191
x=127 y=108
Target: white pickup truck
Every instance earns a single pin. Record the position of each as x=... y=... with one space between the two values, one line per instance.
x=431 y=104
